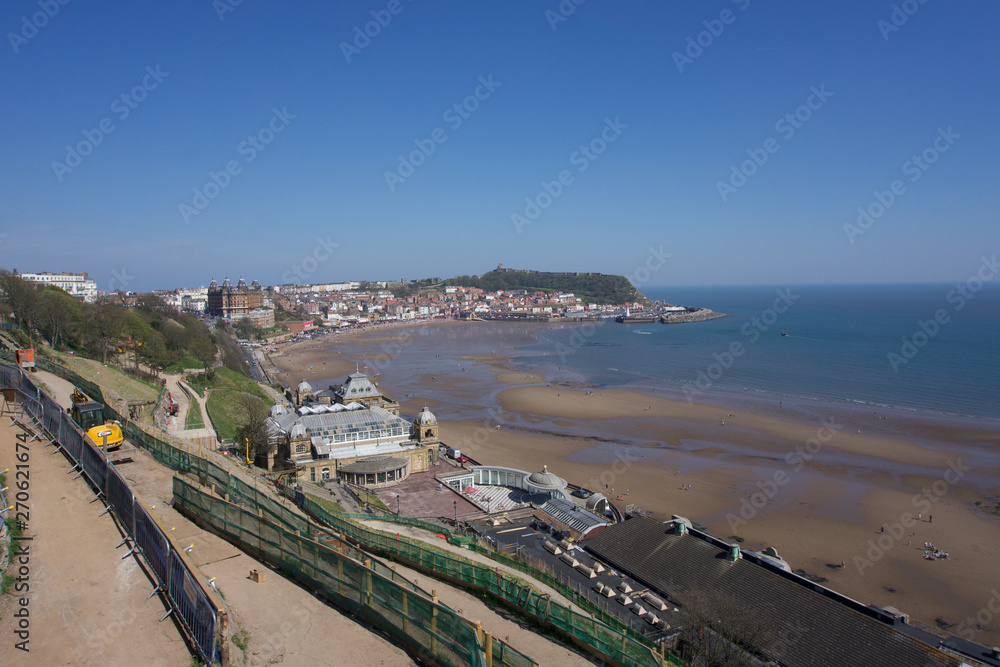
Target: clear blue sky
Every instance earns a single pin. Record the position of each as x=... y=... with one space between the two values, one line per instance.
x=117 y=214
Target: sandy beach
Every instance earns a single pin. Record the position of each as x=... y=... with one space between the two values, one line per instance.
x=824 y=486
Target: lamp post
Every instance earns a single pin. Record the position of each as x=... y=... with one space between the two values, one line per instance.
x=397 y=504
x=455 y=503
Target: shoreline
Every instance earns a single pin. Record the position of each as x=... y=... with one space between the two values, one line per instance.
x=794 y=474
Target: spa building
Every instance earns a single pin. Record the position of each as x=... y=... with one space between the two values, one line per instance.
x=353 y=432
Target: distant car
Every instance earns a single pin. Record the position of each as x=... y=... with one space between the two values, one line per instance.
x=463 y=459
x=581 y=493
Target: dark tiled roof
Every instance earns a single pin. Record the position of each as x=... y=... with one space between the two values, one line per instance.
x=383 y=464
x=813 y=630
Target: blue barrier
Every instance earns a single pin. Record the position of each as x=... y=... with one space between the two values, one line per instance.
x=174 y=576
x=94 y=465
x=71 y=439
x=121 y=498
x=192 y=606
x=152 y=543
x=52 y=416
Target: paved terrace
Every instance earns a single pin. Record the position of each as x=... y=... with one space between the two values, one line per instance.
x=422 y=496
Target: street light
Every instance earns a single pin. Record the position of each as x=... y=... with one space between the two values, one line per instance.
x=455 y=503
x=397 y=504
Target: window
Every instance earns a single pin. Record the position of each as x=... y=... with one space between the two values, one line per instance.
x=312 y=474
x=300 y=449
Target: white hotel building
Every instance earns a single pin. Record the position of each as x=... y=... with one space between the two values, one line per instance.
x=77 y=284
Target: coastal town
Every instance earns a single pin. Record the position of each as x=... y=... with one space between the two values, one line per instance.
x=594 y=491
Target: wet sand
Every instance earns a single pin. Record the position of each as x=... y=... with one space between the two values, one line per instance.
x=804 y=481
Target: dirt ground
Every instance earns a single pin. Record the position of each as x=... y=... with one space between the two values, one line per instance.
x=88 y=606
x=85 y=599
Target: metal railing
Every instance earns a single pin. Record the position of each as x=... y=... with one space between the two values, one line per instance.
x=188 y=597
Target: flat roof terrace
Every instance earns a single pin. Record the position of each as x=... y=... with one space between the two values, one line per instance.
x=422 y=496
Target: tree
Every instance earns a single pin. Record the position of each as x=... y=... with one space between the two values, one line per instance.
x=105 y=325
x=155 y=352
x=246 y=329
x=59 y=312
x=203 y=350
x=138 y=331
x=154 y=304
x=716 y=630
x=22 y=297
x=252 y=432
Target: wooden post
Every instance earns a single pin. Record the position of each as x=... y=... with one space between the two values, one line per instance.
x=488 y=647
x=406 y=615
x=434 y=622
x=340 y=576
x=368 y=581
x=224 y=643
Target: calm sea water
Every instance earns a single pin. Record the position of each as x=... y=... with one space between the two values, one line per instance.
x=840 y=347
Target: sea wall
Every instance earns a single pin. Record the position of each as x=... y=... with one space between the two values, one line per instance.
x=696 y=315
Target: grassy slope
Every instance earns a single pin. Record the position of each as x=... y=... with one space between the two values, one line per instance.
x=113 y=382
x=195 y=418
x=223 y=404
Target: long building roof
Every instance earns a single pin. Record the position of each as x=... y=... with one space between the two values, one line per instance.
x=815 y=626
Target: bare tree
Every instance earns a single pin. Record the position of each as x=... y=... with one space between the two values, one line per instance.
x=58 y=313
x=204 y=351
x=252 y=433
x=22 y=297
x=105 y=327
x=716 y=630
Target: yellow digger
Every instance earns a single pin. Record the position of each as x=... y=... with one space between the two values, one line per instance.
x=89 y=416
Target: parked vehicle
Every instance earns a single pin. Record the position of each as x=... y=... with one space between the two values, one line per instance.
x=89 y=416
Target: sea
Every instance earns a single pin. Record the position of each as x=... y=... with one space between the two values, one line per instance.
x=931 y=349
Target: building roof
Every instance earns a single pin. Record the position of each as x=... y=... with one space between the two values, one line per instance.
x=543 y=479
x=364 y=423
x=572 y=515
x=594 y=499
x=375 y=465
x=357 y=386
x=425 y=417
x=815 y=626
x=304 y=387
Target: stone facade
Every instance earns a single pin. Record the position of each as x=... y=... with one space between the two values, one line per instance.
x=228 y=301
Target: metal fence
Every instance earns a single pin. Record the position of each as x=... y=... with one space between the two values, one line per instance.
x=587 y=631
x=598 y=632
x=426 y=627
x=195 y=606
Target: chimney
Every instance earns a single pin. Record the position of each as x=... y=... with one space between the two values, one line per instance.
x=734 y=553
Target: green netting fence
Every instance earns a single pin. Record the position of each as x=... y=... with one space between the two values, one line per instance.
x=585 y=630
x=598 y=632
x=431 y=630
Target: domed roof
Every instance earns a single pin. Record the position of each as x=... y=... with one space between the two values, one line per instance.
x=304 y=387
x=298 y=431
x=426 y=418
x=277 y=410
x=546 y=480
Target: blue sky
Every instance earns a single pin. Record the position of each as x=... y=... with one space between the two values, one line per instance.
x=315 y=201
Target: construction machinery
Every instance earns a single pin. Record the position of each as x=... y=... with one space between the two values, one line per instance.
x=89 y=416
